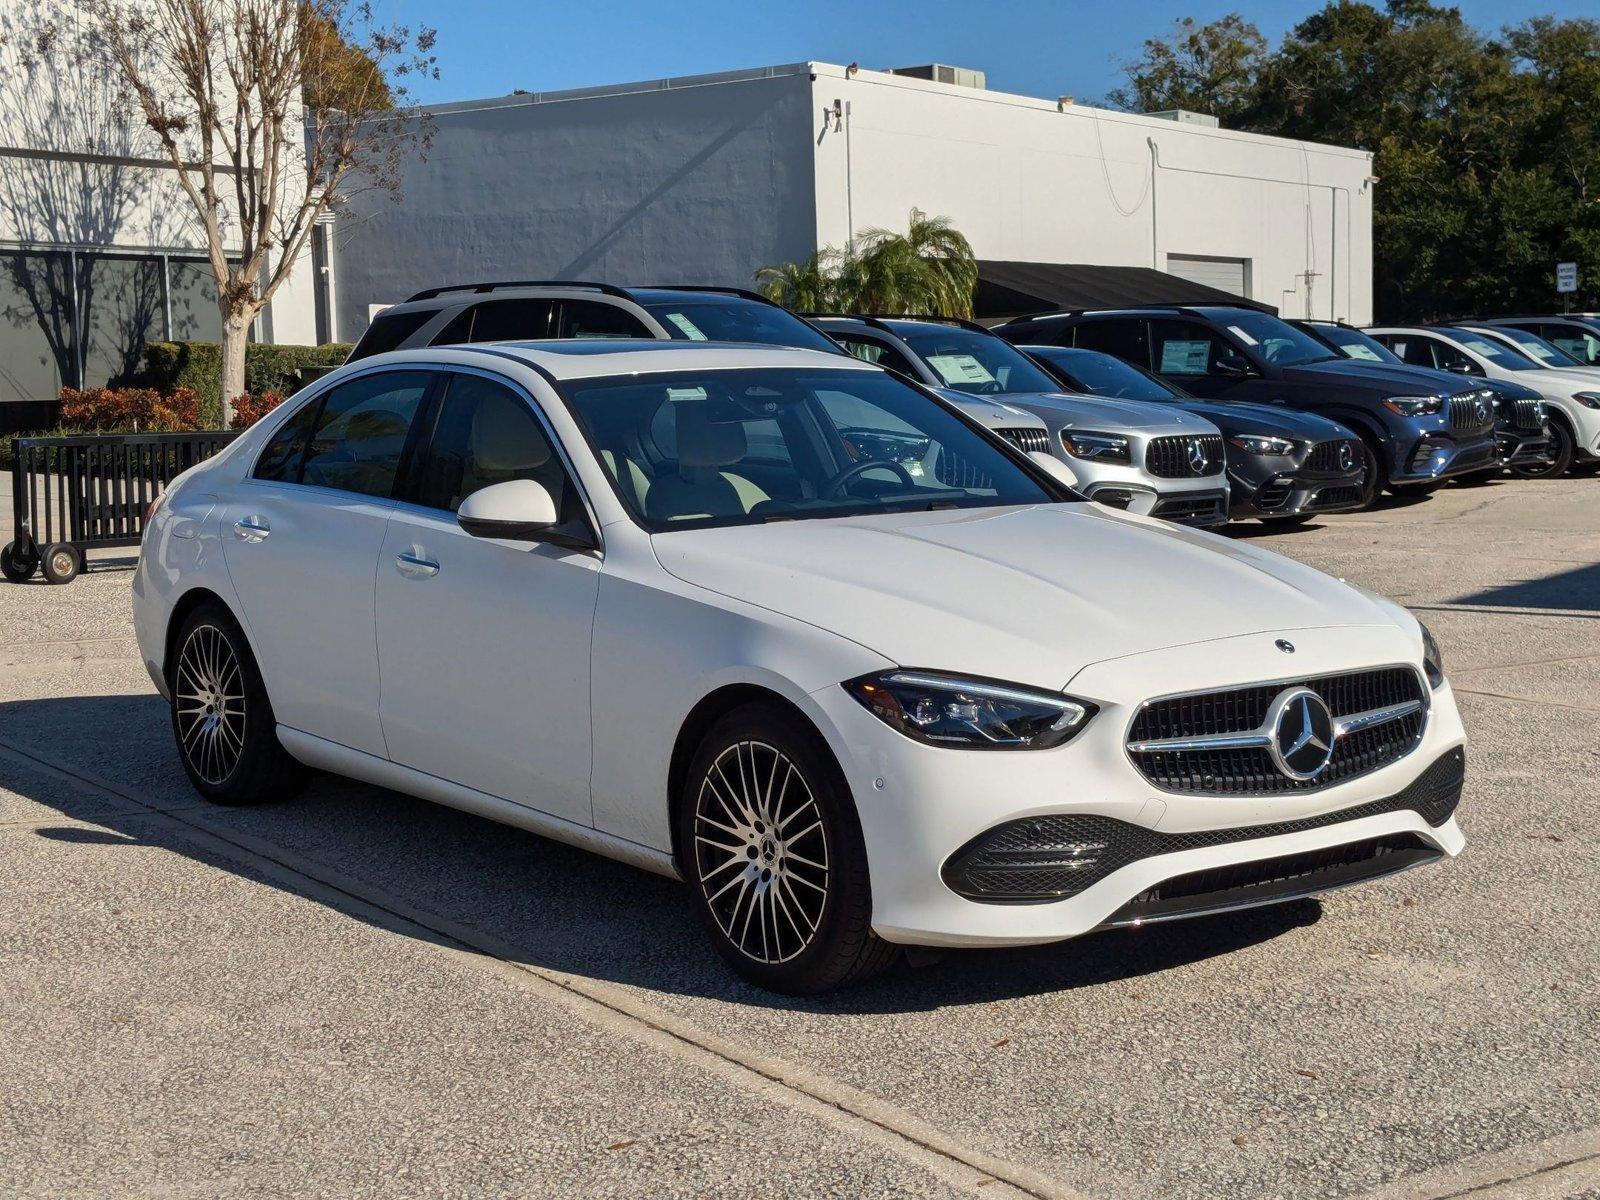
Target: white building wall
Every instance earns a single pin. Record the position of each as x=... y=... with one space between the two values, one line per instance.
x=1027 y=180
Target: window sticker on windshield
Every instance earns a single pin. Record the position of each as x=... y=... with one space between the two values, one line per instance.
x=1184 y=358
x=1241 y=335
x=689 y=328
x=1365 y=353
x=694 y=393
x=959 y=368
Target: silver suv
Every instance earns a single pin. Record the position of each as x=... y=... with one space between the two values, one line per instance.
x=1144 y=458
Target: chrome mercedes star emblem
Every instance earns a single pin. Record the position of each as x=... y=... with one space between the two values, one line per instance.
x=1198 y=459
x=1302 y=733
x=1347 y=456
x=1285 y=645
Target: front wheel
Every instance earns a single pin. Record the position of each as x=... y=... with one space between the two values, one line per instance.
x=227 y=735
x=1374 y=477
x=773 y=852
x=17 y=564
x=1560 y=460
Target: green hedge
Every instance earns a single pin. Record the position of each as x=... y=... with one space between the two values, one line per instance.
x=198 y=365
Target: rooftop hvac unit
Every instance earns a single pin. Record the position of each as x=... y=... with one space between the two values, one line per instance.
x=1184 y=117
x=939 y=73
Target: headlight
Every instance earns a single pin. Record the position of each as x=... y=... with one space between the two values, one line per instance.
x=973 y=714
x=1414 y=406
x=1587 y=399
x=1262 y=445
x=1096 y=447
x=1432 y=660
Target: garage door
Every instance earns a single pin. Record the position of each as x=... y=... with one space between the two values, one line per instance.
x=1226 y=274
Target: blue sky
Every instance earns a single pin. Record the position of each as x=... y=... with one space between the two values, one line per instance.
x=1033 y=47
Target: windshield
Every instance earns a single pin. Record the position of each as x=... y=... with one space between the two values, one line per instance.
x=1099 y=374
x=738 y=447
x=979 y=363
x=1536 y=348
x=1497 y=352
x=1276 y=341
x=1353 y=343
x=730 y=319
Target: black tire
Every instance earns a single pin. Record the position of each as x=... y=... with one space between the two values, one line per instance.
x=17 y=564
x=1374 y=478
x=1561 y=454
x=821 y=944
x=62 y=562
x=237 y=761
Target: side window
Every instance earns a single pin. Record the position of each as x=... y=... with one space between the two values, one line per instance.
x=1186 y=349
x=1121 y=339
x=390 y=331
x=591 y=319
x=486 y=434
x=873 y=351
x=458 y=331
x=361 y=430
x=511 y=320
x=1447 y=358
x=280 y=461
x=1582 y=345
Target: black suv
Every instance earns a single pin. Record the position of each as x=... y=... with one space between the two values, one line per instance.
x=530 y=309
x=1418 y=427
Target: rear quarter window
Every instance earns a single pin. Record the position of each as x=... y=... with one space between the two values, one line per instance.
x=390 y=331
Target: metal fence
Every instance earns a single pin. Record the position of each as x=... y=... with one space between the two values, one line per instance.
x=73 y=494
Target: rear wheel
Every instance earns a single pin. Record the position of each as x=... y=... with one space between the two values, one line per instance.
x=62 y=562
x=773 y=851
x=227 y=735
x=1560 y=461
x=1374 y=477
x=17 y=564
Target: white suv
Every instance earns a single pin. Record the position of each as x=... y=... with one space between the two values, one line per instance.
x=676 y=605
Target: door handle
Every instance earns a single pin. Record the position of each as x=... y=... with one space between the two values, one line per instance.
x=415 y=567
x=252 y=529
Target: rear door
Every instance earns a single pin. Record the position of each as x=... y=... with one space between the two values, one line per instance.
x=1192 y=355
x=301 y=538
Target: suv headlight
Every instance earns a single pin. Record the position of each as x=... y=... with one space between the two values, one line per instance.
x=1414 y=406
x=1432 y=659
x=1252 y=444
x=1096 y=447
x=1587 y=399
x=972 y=714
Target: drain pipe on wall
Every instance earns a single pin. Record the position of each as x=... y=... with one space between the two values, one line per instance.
x=1155 y=166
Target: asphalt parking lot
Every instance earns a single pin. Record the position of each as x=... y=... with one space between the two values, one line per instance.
x=356 y=993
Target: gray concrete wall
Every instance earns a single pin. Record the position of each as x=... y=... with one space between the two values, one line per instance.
x=702 y=182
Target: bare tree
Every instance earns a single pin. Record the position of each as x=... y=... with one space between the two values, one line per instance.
x=223 y=87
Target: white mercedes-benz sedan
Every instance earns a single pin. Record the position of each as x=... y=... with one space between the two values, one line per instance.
x=685 y=606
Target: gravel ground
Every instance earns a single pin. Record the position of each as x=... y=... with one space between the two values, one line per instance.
x=356 y=993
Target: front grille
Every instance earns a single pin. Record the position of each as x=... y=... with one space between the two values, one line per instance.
x=1251 y=771
x=1027 y=439
x=1039 y=859
x=1175 y=457
x=1204 y=509
x=1472 y=412
x=1335 y=497
x=956 y=472
x=1529 y=415
x=1274 y=494
x=1324 y=457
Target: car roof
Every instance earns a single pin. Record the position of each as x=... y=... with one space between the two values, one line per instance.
x=587 y=358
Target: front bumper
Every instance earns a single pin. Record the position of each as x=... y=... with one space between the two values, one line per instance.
x=920 y=807
x=1440 y=456
x=1521 y=447
x=1290 y=492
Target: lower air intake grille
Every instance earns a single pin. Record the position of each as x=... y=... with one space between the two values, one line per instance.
x=1193 y=510
x=1335 y=497
x=1250 y=771
x=1039 y=859
x=1273 y=494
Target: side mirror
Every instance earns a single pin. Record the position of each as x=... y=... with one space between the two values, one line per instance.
x=1055 y=468
x=1233 y=367
x=1465 y=368
x=519 y=510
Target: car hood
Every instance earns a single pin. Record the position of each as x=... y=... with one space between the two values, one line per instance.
x=1391 y=379
x=990 y=413
x=1031 y=594
x=1064 y=410
x=1266 y=420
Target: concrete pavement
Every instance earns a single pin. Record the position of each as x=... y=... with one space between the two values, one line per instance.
x=355 y=993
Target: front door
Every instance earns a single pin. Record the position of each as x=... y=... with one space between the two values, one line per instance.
x=301 y=541
x=484 y=643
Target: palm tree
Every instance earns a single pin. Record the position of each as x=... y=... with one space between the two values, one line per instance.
x=928 y=269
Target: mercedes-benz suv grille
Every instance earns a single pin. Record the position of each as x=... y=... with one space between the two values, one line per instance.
x=1216 y=743
x=1027 y=439
x=1184 y=457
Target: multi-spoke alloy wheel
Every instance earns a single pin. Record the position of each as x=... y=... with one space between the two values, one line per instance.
x=210 y=704
x=772 y=845
x=762 y=852
x=221 y=717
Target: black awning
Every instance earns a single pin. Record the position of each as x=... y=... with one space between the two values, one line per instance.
x=1010 y=289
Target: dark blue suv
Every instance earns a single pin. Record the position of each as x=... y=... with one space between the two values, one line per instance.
x=1419 y=427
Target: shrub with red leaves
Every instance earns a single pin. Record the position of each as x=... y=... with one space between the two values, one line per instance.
x=248 y=409
x=130 y=410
